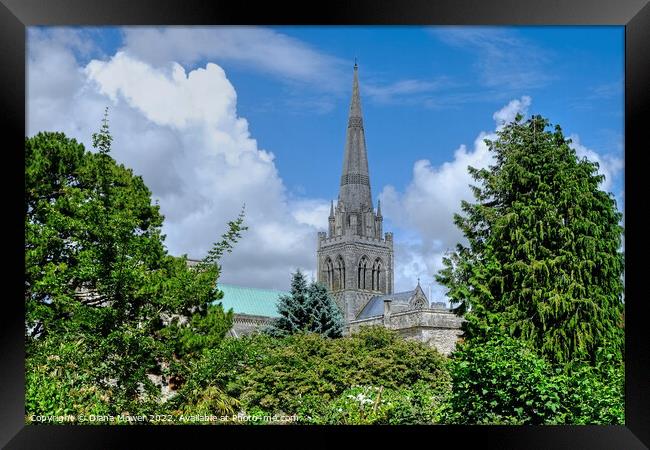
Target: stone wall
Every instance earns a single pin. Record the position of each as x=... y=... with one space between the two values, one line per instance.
x=440 y=329
x=244 y=324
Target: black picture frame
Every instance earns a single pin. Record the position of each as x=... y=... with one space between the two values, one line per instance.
x=15 y=15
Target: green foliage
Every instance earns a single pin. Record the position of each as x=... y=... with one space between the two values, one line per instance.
x=286 y=375
x=221 y=368
x=188 y=340
x=371 y=405
x=204 y=331
x=596 y=393
x=98 y=283
x=505 y=381
x=60 y=381
x=326 y=316
x=307 y=309
x=543 y=262
x=293 y=309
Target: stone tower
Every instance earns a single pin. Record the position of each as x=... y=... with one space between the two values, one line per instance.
x=355 y=257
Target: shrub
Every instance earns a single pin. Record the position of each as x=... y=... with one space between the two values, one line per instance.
x=372 y=405
x=298 y=367
x=305 y=373
x=504 y=381
x=596 y=393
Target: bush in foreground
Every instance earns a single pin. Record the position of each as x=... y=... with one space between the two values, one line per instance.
x=313 y=376
x=505 y=381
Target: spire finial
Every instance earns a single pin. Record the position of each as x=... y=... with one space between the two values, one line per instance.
x=356 y=66
x=332 y=208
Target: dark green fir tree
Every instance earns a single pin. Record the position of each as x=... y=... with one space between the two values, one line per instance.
x=543 y=261
x=326 y=316
x=309 y=308
x=293 y=309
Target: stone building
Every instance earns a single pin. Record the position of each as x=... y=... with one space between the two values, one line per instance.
x=355 y=257
x=355 y=261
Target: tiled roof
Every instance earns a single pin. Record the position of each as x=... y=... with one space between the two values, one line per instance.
x=400 y=300
x=251 y=301
x=375 y=306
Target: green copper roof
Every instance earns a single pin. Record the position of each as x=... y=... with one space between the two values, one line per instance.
x=252 y=301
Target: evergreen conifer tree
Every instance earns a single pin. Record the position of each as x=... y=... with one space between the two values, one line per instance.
x=543 y=262
x=326 y=316
x=309 y=308
x=293 y=309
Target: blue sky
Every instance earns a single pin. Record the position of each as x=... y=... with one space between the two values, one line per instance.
x=429 y=95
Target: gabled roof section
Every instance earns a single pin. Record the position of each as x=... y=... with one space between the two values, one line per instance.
x=375 y=306
x=250 y=301
x=401 y=301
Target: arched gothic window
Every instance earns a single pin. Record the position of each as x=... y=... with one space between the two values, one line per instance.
x=363 y=269
x=340 y=272
x=376 y=275
x=329 y=273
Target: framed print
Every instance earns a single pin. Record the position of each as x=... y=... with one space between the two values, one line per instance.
x=359 y=218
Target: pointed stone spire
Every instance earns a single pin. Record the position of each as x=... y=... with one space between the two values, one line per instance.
x=355 y=181
x=355 y=103
x=379 y=208
x=332 y=220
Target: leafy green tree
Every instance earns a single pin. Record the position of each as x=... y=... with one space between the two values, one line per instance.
x=98 y=280
x=543 y=263
x=309 y=308
x=595 y=392
x=309 y=375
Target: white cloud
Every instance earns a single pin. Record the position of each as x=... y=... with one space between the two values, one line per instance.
x=259 y=48
x=505 y=60
x=609 y=165
x=181 y=132
x=407 y=88
x=427 y=207
x=509 y=112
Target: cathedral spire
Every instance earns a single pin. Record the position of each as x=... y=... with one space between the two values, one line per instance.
x=355 y=104
x=355 y=181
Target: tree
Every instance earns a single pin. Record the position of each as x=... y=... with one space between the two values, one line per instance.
x=293 y=309
x=326 y=316
x=309 y=308
x=98 y=280
x=543 y=261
